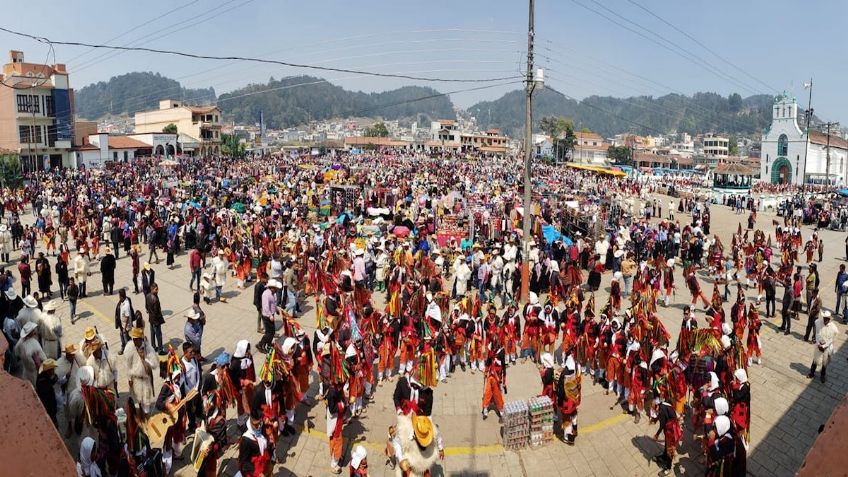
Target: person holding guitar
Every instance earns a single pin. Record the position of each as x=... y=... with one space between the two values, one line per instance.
x=170 y=402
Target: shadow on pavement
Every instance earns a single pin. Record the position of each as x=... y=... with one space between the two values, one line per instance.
x=781 y=450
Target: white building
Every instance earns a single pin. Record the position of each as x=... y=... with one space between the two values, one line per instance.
x=787 y=157
x=716 y=146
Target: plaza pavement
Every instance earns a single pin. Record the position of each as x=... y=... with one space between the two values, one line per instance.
x=787 y=409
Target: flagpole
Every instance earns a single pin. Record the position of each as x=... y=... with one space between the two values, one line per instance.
x=807 y=135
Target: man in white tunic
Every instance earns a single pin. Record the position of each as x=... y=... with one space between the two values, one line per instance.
x=29 y=352
x=141 y=361
x=50 y=329
x=826 y=332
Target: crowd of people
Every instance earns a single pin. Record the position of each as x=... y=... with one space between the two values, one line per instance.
x=396 y=301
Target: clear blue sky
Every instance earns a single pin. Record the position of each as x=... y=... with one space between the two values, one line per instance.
x=776 y=45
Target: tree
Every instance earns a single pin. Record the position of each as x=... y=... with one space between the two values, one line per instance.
x=10 y=171
x=231 y=146
x=620 y=155
x=561 y=131
x=565 y=145
x=733 y=147
x=377 y=130
x=734 y=102
x=170 y=129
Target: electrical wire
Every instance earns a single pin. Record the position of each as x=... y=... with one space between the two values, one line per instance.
x=173 y=10
x=674 y=48
x=702 y=45
x=253 y=60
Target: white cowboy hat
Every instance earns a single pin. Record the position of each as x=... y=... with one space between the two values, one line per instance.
x=28 y=328
x=52 y=305
x=618 y=253
x=30 y=302
x=273 y=283
x=193 y=314
x=547 y=360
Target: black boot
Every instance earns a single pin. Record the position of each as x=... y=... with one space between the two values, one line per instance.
x=812 y=371
x=824 y=374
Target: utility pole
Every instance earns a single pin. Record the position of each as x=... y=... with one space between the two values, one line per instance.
x=828 y=125
x=528 y=154
x=807 y=133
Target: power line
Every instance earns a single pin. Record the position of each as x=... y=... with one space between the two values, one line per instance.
x=674 y=48
x=699 y=43
x=253 y=60
x=136 y=28
x=661 y=88
x=170 y=30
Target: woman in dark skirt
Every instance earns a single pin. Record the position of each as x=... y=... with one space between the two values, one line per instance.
x=594 y=281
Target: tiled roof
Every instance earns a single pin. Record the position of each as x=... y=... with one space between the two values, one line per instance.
x=820 y=138
x=376 y=141
x=124 y=142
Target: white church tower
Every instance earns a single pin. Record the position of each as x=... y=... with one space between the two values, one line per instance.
x=783 y=144
x=788 y=157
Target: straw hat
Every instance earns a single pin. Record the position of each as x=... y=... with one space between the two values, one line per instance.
x=90 y=333
x=423 y=427
x=47 y=365
x=146 y=266
x=136 y=333
x=70 y=349
x=52 y=305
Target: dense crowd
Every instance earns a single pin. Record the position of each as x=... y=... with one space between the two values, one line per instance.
x=414 y=268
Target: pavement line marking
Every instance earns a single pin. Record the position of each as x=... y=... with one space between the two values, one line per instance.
x=485 y=449
x=96 y=312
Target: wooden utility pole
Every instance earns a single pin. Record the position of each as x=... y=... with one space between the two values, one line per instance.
x=528 y=155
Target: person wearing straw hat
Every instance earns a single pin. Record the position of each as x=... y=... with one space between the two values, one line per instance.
x=5 y=243
x=67 y=369
x=141 y=361
x=269 y=311
x=193 y=330
x=50 y=330
x=81 y=271
x=45 y=388
x=416 y=445
x=104 y=366
x=220 y=268
x=29 y=353
x=107 y=271
x=29 y=312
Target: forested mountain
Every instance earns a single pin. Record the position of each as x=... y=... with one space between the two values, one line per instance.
x=299 y=99
x=137 y=91
x=702 y=112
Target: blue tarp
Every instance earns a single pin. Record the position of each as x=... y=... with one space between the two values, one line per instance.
x=552 y=235
x=843 y=192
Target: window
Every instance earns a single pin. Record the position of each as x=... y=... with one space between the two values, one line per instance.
x=782 y=145
x=23 y=103
x=29 y=134
x=126 y=156
x=29 y=103
x=115 y=156
x=49 y=106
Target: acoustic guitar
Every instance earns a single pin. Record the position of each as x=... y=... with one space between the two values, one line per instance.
x=158 y=424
